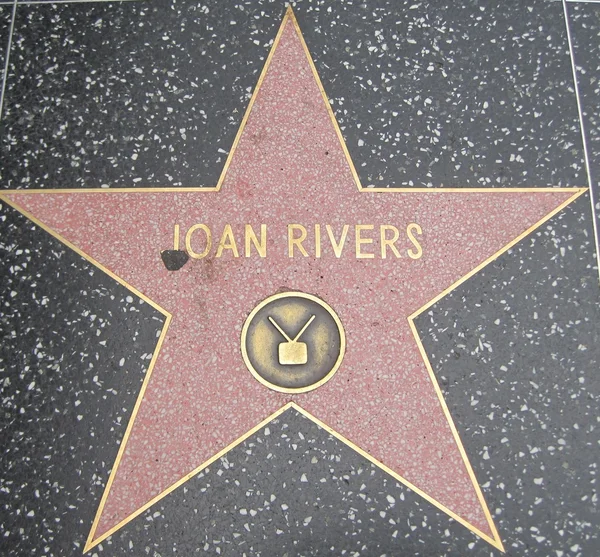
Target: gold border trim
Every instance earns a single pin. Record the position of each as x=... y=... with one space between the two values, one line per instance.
x=72 y=246
x=293 y=294
x=289 y=16
x=90 y=543
x=146 y=381
x=259 y=83
x=577 y=192
x=495 y=541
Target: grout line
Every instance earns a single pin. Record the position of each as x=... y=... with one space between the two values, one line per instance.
x=583 y=135
x=579 y=1
x=6 y=61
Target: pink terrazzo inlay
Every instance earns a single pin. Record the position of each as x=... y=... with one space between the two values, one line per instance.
x=289 y=167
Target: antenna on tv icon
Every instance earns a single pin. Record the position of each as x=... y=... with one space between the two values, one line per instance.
x=292 y=352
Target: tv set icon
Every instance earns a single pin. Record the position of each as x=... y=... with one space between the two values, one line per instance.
x=292 y=352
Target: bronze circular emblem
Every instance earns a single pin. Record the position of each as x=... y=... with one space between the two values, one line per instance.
x=293 y=342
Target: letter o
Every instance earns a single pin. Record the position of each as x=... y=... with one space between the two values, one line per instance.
x=188 y=241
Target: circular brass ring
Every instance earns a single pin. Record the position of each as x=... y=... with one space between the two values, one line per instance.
x=340 y=344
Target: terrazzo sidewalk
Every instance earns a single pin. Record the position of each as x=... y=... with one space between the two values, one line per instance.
x=419 y=169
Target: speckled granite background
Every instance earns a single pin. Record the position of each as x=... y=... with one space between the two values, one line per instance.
x=152 y=93
x=584 y=21
x=131 y=94
x=5 y=17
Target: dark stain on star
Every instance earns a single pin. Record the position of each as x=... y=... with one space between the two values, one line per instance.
x=174 y=259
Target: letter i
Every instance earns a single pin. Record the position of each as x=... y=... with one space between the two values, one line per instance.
x=176 y=238
x=317 y=240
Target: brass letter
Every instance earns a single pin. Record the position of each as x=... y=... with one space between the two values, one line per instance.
x=188 y=241
x=296 y=241
x=176 y=237
x=337 y=247
x=359 y=241
x=261 y=247
x=385 y=242
x=317 y=240
x=228 y=237
x=409 y=230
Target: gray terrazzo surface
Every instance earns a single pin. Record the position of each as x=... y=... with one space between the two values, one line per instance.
x=584 y=20
x=5 y=17
x=468 y=94
x=74 y=351
x=516 y=349
x=152 y=94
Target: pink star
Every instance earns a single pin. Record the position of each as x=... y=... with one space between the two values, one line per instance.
x=289 y=166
